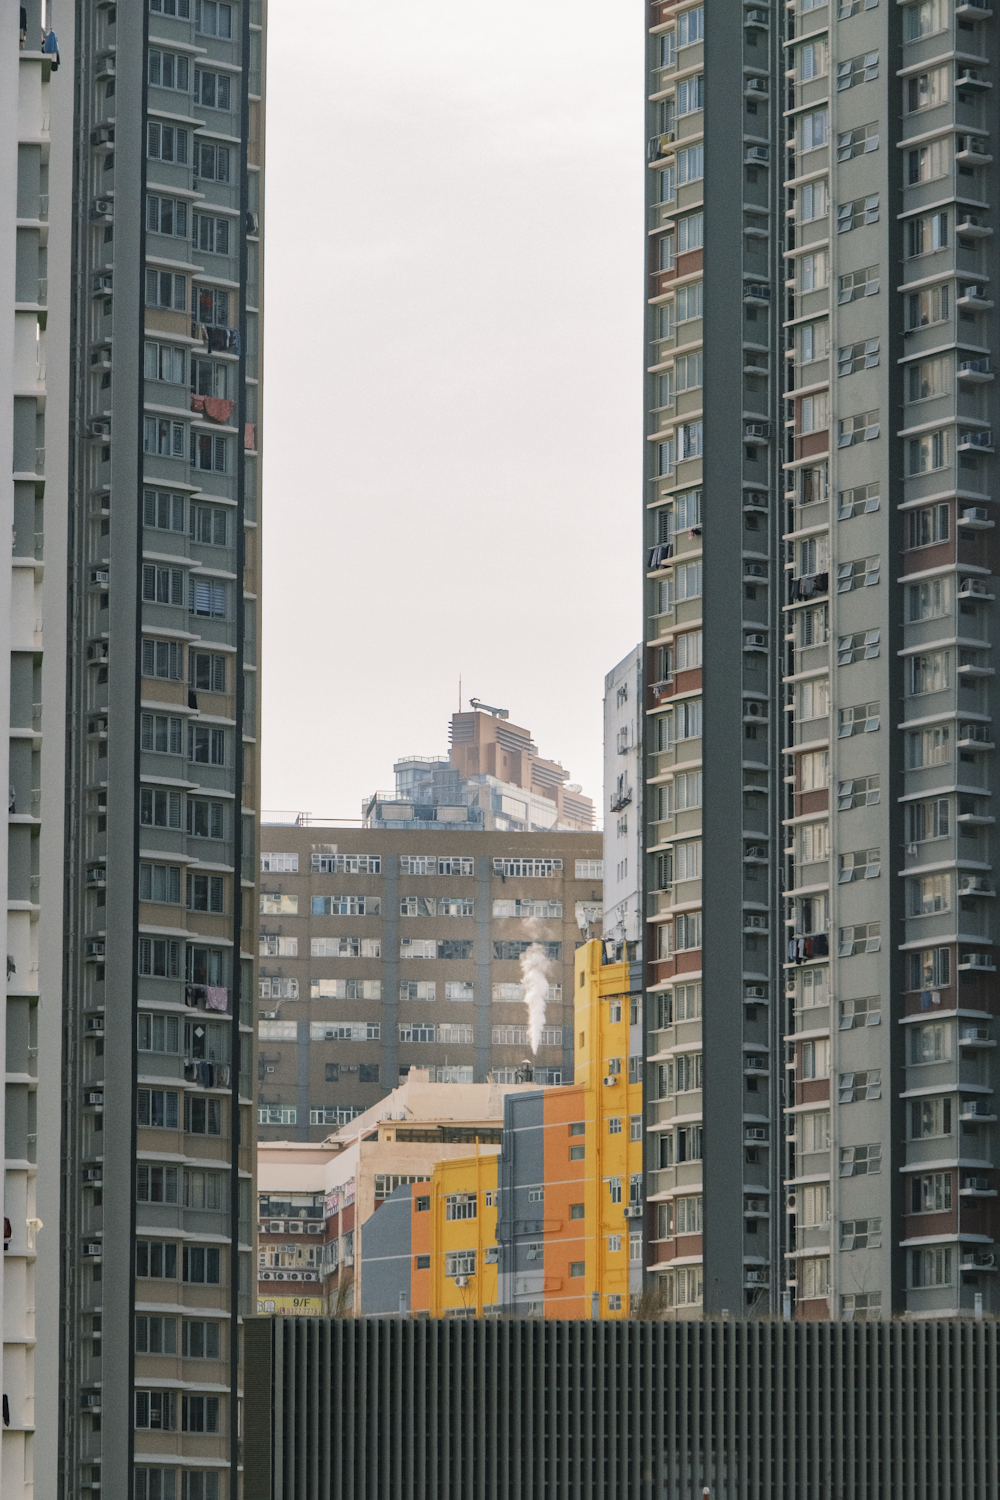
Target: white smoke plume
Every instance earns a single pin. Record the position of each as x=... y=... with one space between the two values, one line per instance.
x=535 y=969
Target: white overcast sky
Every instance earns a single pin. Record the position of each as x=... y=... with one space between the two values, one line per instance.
x=453 y=419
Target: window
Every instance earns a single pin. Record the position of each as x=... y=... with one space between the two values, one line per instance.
x=857 y=142
x=162 y=510
x=350 y=864
x=813 y=843
x=167 y=71
x=274 y=904
x=853 y=1087
x=156 y=1108
x=155 y=1409
x=926 y=233
x=852 y=287
x=213 y=19
x=280 y=863
x=202 y=1116
x=171 y=8
x=814 y=271
x=862 y=937
x=930 y=1043
x=166 y=439
x=814 y=988
x=206 y=747
x=859 y=864
x=925 y=163
x=589 y=869
x=813 y=201
x=814 y=340
x=163 y=362
x=688 y=371
x=159 y=958
x=501 y=950
x=862 y=646
x=689 y=1215
x=689 y=445
x=159 y=809
x=202 y=1189
x=929 y=672
x=209 y=378
x=210 y=234
x=211 y=162
x=208 y=452
x=927 y=452
x=199 y=1413
x=854 y=357
x=347 y=906
x=204 y=819
x=812 y=698
x=930 y=1267
x=691 y=94
x=861 y=1161
x=162 y=585
x=810 y=61
x=527 y=868
x=814 y=129
x=691 y=26
x=856 y=213
x=461 y=1262
x=861 y=1234
x=200 y=1340
x=927 y=526
x=156 y=1259
x=928 y=820
x=155 y=1184
x=924 y=19
x=332 y=1031
x=212 y=90
x=814 y=771
x=691 y=163
x=926 y=378
x=930 y=1117
x=210 y=307
x=206 y=673
x=816 y=1059
x=814 y=412
x=205 y=893
x=813 y=1131
x=166 y=142
x=927 y=90
x=862 y=791
x=160 y=883
x=930 y=1194
x=813 y=1204
x=157 y=1033
x=855 y=70
x=689 y=302
x=930 y=969
x=814 y=1278
x=201 y=1263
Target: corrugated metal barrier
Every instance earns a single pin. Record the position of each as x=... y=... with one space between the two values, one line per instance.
x=397 y=1409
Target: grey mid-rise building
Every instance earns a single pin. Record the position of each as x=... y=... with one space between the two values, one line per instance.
x=819 y=516
x=383 y=949
x=131 y=406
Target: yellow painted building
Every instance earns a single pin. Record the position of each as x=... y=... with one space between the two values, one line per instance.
x=572 y=1231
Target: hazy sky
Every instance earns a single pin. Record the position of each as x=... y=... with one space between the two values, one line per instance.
x=453 y=418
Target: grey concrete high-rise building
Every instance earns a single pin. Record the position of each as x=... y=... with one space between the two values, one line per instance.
x=819 y=600
x=132 y=422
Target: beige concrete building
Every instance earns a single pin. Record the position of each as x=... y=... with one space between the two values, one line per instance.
x=383 y=949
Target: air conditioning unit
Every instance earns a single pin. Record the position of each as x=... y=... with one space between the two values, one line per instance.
x=95 y=1099
x=753 y=570
x=755 y=991
x=611 y=1080
x=755 y=638
x=757 y=429
x=755 y=920
x=106 y=68
x=99 y=576
x=755 y=709
x=973 y=586
x=95 y=948
x=93 y=1174
x=970 y=1108
x=756 y=1063
x=95 y=1024
x=252 y=224
x=756 y=1133
x=103 y=208
x=756 y=85
x=314 y=1229
x=975 y=1034
x=756 y=1205
x=758 y=153
x=99 y=429
x=102 y=283
x=975 y=513
x=92 y=1247
x=91 y=1400
x=978 y=1184
x=756 y=851
x=790 y=1201
x=978 y=960
x=633 y=1211
x=461 y=1281
x=973 y=883
x=102 y=135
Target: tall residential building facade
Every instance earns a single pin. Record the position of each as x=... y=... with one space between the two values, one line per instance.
x=36 y=108
x=842 y=946
x=162 y=745
x=387 y=948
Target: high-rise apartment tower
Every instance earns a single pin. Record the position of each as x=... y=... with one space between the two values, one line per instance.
x=162 y=762
x=819 y=598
